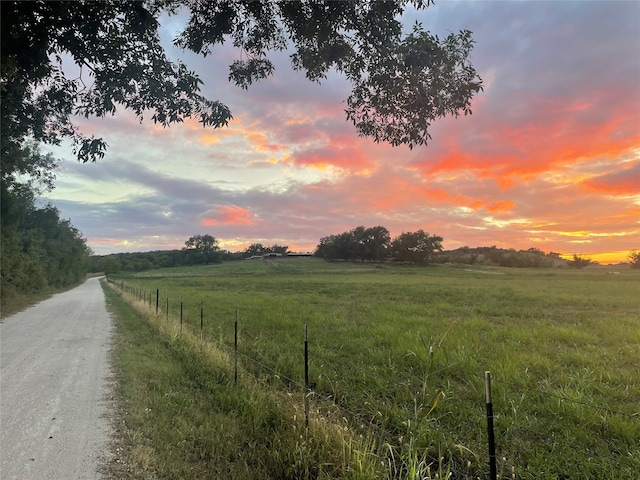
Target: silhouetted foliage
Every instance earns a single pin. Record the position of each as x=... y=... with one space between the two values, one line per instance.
x=358 y=244
x=87 y=58
x=202 y=249
x=38 y=248
x=415 y=247
x=419 y=247
x=258 y=249
x=140 y=261
x=501 y=257
x=375 y=244
x=578 y=262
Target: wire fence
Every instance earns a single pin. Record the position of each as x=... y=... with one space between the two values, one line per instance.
x=496 y=422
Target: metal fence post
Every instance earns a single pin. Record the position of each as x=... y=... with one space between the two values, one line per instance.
x=235 y=349
x=201 y=323
x=306 y=377
x=493 y=474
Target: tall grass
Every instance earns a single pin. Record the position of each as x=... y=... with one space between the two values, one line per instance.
x=398 y=353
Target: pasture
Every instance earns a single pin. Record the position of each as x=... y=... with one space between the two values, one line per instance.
x=397 y=356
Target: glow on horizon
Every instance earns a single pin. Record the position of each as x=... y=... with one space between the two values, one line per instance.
x=547 y=160
x=237 y=245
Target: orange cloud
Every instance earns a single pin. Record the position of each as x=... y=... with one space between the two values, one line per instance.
x=332 y=156
x=500 y=206
x=209 y=139
x=228 y=215
x=622 y=182
x=538 y=135
x=261 y=143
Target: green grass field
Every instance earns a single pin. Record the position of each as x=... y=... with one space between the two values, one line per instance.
x=397 y=359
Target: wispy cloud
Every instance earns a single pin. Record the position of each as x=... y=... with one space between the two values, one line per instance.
x=550 y=157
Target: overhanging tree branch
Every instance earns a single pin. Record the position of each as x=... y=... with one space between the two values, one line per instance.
x=400 y=83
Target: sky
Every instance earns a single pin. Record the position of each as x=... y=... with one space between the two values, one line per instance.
x=550 y=157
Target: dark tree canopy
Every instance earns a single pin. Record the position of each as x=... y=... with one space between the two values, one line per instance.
x=578 y=262
x=400 y=83
x=118 y=63
x=38 y=248
x=415 y=247
x=258 y=249
x=361 y=243
x=202 y=249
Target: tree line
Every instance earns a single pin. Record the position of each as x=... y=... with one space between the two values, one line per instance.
x=420 y=248
x=39 y=249
x=360 y=244
x=375 y=244
x=198 y=250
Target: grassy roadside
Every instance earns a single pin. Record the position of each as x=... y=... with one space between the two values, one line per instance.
x=180 y=415
x=18 y=303
x=21 y=301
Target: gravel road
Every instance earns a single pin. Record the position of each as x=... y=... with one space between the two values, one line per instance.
x=54 y=387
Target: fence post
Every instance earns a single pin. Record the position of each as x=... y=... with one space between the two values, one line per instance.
x=180 y=314
x=157 y=299
x=235 y=350
x=306 y=377
x=201 y=322
x=493 y=474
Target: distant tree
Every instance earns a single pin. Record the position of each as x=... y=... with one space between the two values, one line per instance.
x=340 y=246
x=344 y=246
x=325 y=248
x=255 y=249
x=227 y=256
x=578 y=262
x=415 y=247
x=376 y=241
x=634 y=259
x=361 y=243
x=110 y=265
x=356 y=243
x=202 y=249
x=282 y=249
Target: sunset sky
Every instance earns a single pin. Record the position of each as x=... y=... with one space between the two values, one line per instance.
x=549 y=159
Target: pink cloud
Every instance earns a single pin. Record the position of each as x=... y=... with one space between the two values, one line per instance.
x=332 y=156
x=227 y=215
